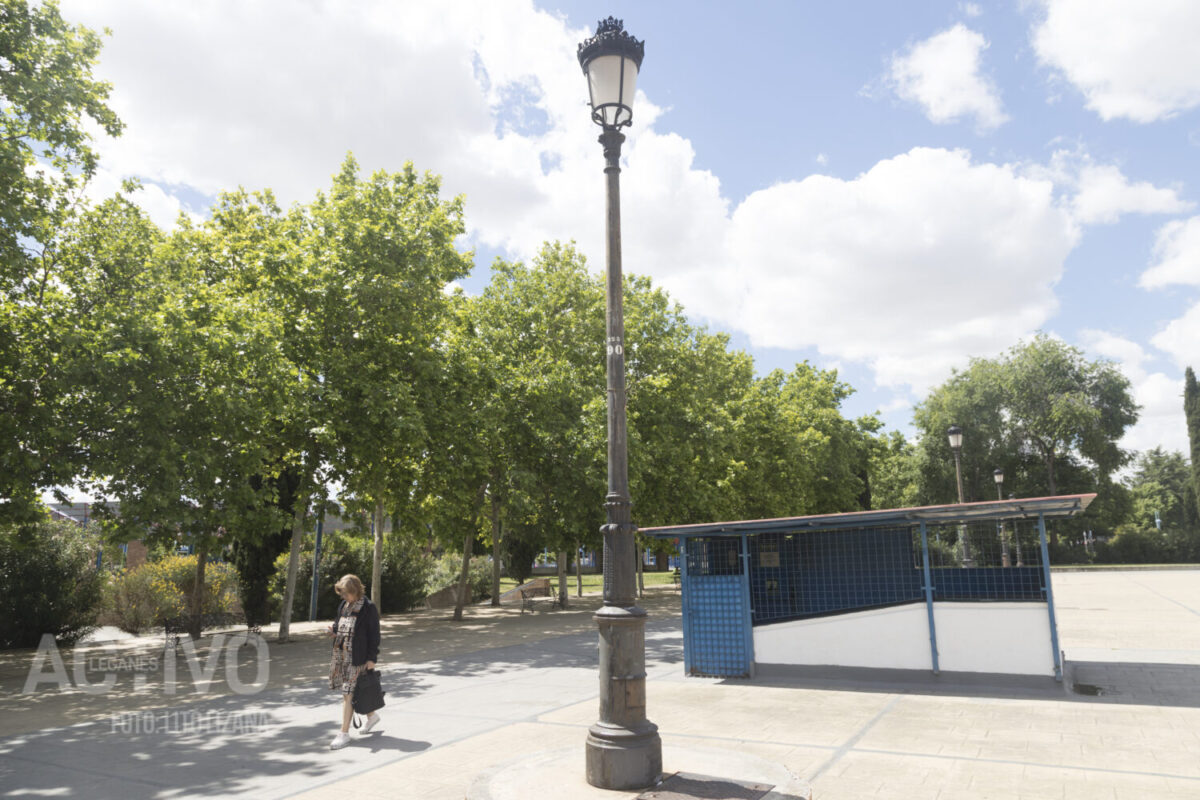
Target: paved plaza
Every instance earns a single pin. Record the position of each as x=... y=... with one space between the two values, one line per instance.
x=467 y=698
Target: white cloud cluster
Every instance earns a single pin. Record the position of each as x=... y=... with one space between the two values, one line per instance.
x=1177 y=263
x=1135 y=59
x=943 y=75
x=1101 y=193
x=1160 y=421
x=1177 y=253
x=923 y=258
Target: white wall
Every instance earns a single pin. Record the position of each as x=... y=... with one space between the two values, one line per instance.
x=1011 y=638
x=887 y=638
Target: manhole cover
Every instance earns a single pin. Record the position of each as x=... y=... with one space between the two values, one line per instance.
x=685 y=785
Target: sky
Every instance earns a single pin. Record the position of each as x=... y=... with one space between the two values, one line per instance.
x=886 y=189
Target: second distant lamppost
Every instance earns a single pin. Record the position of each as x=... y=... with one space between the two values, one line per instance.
x=624 y=750
x=955 y=435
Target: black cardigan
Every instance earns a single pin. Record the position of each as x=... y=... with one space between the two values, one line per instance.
x=365 y=646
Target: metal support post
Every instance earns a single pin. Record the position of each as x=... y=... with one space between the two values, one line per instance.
x=1049 y=591
x=933 y=651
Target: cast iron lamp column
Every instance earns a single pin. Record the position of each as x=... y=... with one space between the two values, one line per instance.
x=624 y=750
x=955 y=434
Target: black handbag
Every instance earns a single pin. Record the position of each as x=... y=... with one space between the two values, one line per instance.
x=368 y=694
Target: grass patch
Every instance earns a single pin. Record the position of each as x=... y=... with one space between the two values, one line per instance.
x=593 y=582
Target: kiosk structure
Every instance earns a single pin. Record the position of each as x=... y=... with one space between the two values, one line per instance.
x=961 y=588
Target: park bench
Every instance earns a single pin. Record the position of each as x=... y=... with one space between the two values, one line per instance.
x=536 y=588
x=175 y=627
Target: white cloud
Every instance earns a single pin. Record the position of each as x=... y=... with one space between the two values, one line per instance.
x=1135 y=59
x=971 y=9
x=1177 y=254
x=1160 y=422
x=1101 y=193
x=1181 y=338
x=891 y=268
x=1105 y=194
x=942 y=75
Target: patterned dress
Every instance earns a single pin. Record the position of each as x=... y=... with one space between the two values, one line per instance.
x=342 y=672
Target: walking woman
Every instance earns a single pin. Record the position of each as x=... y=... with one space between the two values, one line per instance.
x=355 y=634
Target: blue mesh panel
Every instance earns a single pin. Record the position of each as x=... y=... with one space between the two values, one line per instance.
x=716 y=614
x=799 y=575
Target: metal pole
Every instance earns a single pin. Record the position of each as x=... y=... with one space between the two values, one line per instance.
x=1005 y=559
x=967 y=561
x=929 y=597
x=316 y=575
x=623 y=749
x=1058 y=676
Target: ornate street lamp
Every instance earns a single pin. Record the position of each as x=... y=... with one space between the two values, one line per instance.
x=955 y=434
x=624 y=750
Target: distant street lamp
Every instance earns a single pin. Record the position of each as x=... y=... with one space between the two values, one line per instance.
x=624 y=750
x=955 y=434
x=1005 y=561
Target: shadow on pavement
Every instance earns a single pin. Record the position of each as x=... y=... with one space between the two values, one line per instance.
x=1135 y=683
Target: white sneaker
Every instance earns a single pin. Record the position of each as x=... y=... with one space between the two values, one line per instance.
x=372 y=719
x=339 y=741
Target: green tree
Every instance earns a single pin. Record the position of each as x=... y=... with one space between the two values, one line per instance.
x=1159 y=490
x=176 y=370
x=894 y=472
x=1191 y=410
x=1051 y=419
x=382 y=250
x=799 y=455
x=47 y=98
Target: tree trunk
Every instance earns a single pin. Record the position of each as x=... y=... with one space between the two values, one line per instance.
x=495 y=550
x=464 y=588
x=578 y=572
x=641 y=566
x=289 y=592
x=562 y=578
x=197 y=598
x=377 y=558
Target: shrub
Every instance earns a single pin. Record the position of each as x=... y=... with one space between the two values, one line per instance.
x=1133 y=545
x=447 y=569
x=50 y=583
x=143 y=598
x=139 y=599
x=405 y=569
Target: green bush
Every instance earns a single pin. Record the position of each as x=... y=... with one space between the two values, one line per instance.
x=447 y=569
x=1133 y=545
x=405 y=569
x=140 y=599
x=50 y=583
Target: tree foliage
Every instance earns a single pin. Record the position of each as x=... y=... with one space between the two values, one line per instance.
x=47 y=98
x=1048 y=417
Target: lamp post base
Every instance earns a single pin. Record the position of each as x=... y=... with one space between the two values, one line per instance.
x=623 y=758
x=623 y=748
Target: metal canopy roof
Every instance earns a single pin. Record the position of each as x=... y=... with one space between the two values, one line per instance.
x=1066 y=505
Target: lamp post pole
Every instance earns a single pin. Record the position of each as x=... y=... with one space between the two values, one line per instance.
x=956 y=436
x=624 y=750
x=1005 y=559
